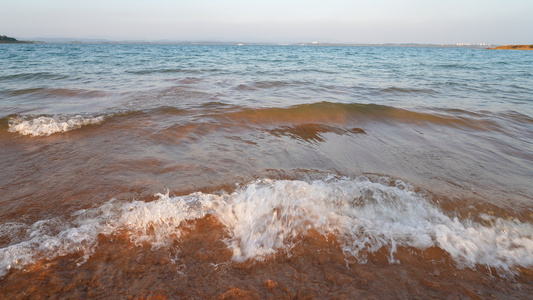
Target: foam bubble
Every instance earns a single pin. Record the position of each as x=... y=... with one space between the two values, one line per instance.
x=157 y=223
x=45 y=126
x=266 y=217
x=160 y=222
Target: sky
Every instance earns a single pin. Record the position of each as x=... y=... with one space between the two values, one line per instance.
x=274 y=21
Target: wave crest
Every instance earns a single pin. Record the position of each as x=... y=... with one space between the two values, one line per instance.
x=45 y=126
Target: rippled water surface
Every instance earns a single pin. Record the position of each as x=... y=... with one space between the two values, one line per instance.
x=265 y=171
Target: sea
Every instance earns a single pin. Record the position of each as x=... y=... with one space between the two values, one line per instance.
x=265 y=172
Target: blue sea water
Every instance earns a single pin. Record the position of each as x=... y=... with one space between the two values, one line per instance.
x=50 y=79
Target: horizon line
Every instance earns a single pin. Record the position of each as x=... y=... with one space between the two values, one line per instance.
x=69 y=40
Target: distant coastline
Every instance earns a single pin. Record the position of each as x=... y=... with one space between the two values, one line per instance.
x=44 y=40
x=513 y=47
x=11 y=40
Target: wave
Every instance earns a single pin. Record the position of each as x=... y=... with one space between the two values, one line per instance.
x=46 y=125
x=168 y=71
x=355 y=113
x=399 y=90
x=261 y=85
x=56 y=93
x=33 y=76
x=268 y=217
x=318 y=117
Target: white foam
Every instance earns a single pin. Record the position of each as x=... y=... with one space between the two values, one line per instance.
x=160 y=222
x=266 y=217
x=45 y=126
x=157 y=223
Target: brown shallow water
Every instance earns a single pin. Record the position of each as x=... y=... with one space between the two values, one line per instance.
x=316 y=269
x=63 y=238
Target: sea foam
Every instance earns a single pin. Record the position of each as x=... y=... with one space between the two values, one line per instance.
x=267 y=217
x=45 y=126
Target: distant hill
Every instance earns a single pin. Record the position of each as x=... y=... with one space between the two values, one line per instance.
x=513 y=47
x=11 y=40
x=6 y=39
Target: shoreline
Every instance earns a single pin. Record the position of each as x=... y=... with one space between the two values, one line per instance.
x=513 y=47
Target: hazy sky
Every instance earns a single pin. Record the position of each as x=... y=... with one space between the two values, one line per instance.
x=281 y=21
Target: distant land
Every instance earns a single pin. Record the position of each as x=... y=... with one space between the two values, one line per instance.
x=60 y=40
x=10 y=40
x=513 y=47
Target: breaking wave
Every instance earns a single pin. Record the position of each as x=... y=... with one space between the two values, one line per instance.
x=45 y=126
x=267 y=217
